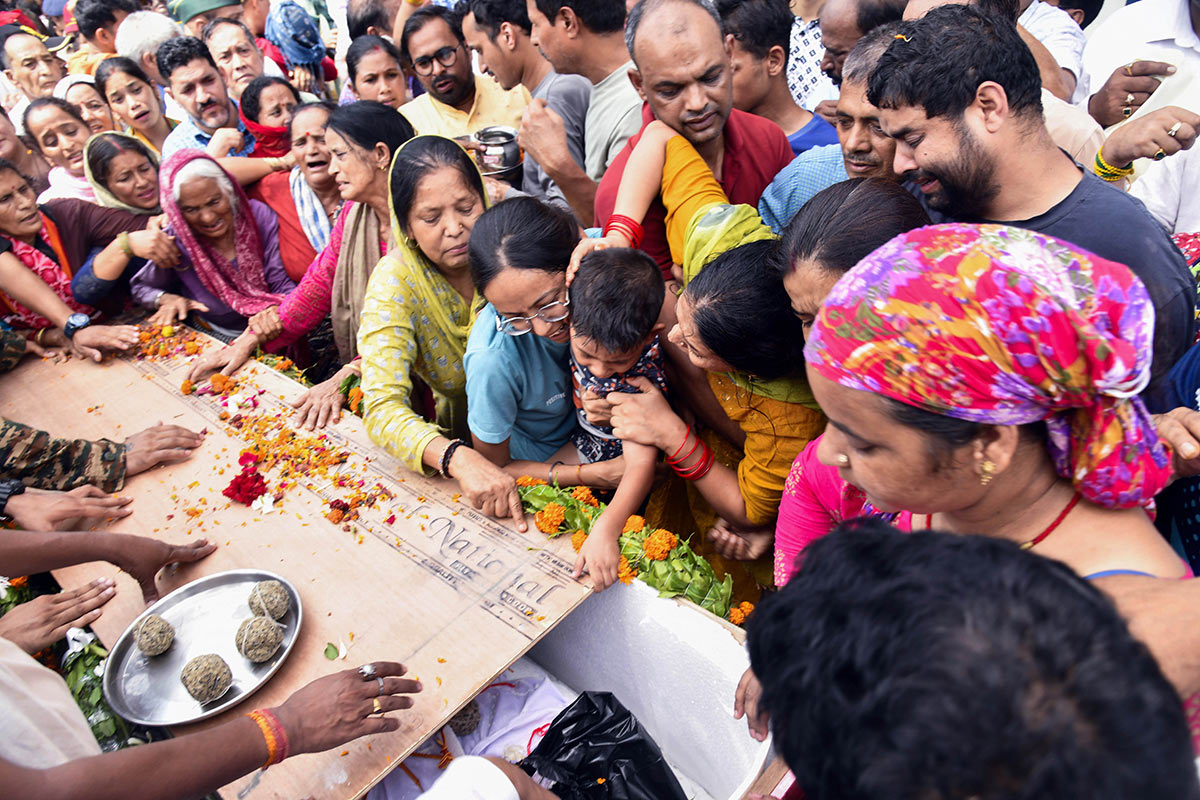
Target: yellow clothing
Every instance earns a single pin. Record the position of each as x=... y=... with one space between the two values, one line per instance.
x=149 y=144
x=493 y=106
x=85 y=60
x=413 y=323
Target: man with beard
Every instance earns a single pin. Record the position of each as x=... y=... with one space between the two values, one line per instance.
x=844 y=22
x=683 y=73
x=196 y=84
x=960 y=94
x=863 y=149
x=457 y=102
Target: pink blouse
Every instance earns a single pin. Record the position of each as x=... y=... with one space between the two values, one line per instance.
x=304 y=308
x=815 y=501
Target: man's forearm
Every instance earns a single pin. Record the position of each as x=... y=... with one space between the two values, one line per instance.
x=31 y=552
x=42 y=461
x=577 y=187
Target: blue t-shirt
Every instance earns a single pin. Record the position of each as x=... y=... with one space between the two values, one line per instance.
x=519 y=389
x=816 y=133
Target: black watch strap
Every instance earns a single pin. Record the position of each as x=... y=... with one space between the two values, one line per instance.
x=8 y=488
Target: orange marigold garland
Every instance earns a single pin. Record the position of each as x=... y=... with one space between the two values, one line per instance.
x=188 y=387
x=550 y=518
x=525 y=481
x=659 y=544
x=625 y=573
x=634 y=524
x=577 y=540
x=584 y=495
x=355 y=398
x=738 y=614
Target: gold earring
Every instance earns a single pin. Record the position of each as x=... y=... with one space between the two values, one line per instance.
x=988 y=468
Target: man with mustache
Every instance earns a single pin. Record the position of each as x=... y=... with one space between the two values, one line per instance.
x=457 y=102
x=212 y=122
x=844 y=22
x=683 y=73
x=960 y=94
x=499 y=32
x=863 y=149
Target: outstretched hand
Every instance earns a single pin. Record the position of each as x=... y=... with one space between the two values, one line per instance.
x=143 y=557
x=45 y=619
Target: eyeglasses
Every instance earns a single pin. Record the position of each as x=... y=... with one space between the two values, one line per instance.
x=518 y=326
x=446 y=57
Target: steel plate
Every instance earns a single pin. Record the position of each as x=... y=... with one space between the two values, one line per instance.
x=206 y=614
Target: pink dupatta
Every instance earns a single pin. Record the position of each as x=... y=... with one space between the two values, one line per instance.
x=241 y=284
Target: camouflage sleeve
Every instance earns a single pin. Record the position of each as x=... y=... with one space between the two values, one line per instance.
x=12 y=349
x=43 y=462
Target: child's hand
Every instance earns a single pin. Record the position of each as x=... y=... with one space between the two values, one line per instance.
x=600 y=554
x=587 y=245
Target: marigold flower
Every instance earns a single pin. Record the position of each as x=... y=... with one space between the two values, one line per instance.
x=634 y=524
x=191 y=348
x=625 y=573
x=550 y=518
x=577 y=540
x=188 y=387
x=584 y=495
x=736 y=616
x=17 y=583
x=356 y=398
x=659 y=544
x=525 y=481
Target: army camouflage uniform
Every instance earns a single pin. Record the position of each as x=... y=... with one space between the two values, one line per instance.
x=43 y=462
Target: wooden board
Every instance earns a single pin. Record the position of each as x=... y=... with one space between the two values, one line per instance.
x=455 y=596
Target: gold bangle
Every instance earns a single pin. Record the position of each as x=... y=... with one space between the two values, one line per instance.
x=123 y=243
x=37 y=337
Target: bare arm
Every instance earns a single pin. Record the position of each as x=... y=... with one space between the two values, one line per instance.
x=1051 y=72
x=600 y=475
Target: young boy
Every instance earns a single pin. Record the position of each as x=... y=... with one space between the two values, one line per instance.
x=616 y=297
x=761 y=31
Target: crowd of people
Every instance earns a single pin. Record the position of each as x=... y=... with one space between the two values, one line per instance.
x=799 y=278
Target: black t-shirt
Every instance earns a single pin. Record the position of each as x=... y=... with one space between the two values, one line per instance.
x=1111 y=224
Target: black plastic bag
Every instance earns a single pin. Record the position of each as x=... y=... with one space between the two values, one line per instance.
x=596 y=750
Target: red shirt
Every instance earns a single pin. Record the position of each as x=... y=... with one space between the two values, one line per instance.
x=756 y=149
x=294 y=247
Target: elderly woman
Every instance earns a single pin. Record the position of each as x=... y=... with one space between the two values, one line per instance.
x=41 y=249
x=375 y=73
x=134 y=100
x=81 y=92
x=266 y=108
x=352 y=149
x=418 y=311
x=229 y=266
x=59 y=133
x=305 y=198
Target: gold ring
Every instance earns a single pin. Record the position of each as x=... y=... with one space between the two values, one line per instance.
x=1126 y=112
x=1174 y=129
x=1129 y=68
x=1160 y=155
x=376 y=706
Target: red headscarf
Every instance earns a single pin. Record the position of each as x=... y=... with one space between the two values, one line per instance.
x=268 y=141
x=242 y=284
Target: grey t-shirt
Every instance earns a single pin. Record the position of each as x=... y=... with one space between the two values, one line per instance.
x=614 y=115
x=569 y=97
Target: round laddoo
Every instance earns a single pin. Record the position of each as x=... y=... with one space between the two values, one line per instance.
x=206 y=677
x=269 y=599
x=258 y=638
x=154 y=635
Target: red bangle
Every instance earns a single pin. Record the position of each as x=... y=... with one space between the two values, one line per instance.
x=673 y=458
x=699 y=469
x=628 y=226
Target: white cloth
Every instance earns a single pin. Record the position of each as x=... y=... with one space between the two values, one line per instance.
x=1062 y=36
x=1150 y=30
x=472 y=778
x=17 y=114
x=42 y=725
x=808 y=84
x=1168 y=189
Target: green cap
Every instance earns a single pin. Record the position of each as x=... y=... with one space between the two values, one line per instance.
x=183 y=10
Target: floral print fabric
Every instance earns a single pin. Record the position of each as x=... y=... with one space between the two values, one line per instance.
x=1005 y=326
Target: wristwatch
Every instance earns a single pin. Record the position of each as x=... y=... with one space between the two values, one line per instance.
x=8 y=488
x=76 y=322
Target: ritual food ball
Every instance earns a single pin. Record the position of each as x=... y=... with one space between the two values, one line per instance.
x=154 y=635
x=466 y=721
x=258 y=639
x=206 y=677
x=269 y=599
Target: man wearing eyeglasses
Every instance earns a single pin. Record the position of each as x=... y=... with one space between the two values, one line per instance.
x=457 y=101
